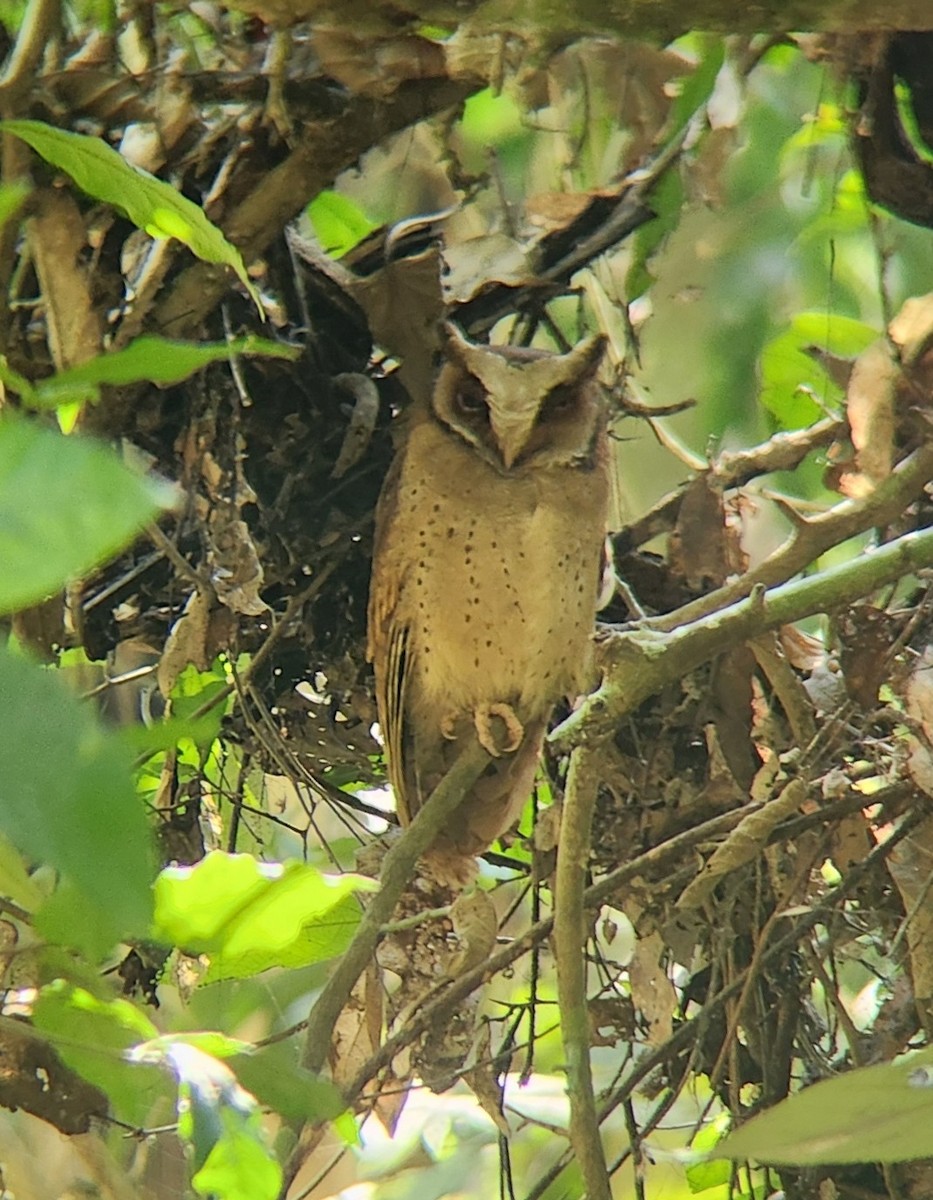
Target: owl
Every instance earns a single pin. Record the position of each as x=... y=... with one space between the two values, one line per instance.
x=489 y=534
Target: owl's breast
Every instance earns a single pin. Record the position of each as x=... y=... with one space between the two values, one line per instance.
x=501 y=578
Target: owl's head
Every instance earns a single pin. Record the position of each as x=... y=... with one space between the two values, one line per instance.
x=521 y=408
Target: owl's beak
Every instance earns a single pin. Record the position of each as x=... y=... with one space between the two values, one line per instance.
x=511 y=437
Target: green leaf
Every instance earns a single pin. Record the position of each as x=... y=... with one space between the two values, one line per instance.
x=71 y=918
x=274 y=1077
x=338 y=223
x=12 y=196
x=834 y=332
x=15 y=881
x=710 y=1172
x=667 y=199
x=248 y=916
x=92 y=1036
x=165 y=735
x=704 y=1176
x=148 y=358
x=697 y=87
x=239 y=1166
x=192 y=691
x=220 y=1122
x=795 y=387
x=878 y=1114
x=210 y=1042
x=66 y=504
x=150 y=203
x=66 y=797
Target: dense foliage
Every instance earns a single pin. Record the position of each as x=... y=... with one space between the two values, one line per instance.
x=228 y=238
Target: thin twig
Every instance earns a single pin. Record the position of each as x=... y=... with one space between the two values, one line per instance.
x=688 y=1031
x=37 y=25
x=570 y=937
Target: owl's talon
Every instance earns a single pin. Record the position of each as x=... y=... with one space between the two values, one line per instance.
x=449 y=726
x=515 y=731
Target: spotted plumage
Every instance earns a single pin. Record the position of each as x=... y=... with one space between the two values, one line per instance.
x=488 y=541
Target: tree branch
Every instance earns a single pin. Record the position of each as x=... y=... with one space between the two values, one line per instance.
x=39 y=22
x=397 y=870
x=324 y=150
x=570 y=937
x=813 y=537
x=639 y=662
x=782 y=452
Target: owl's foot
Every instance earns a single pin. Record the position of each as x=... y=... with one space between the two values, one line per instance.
x=514 y=730
x=449 y=726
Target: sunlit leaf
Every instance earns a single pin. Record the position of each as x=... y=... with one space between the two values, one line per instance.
x=795 y=386
x=66 y=504
x=150 y=203
x=12 y=196
x=219 y=1121
x=666 y=200
x=697 y=87
x=14 y=878
x=248 y=916
x=239 y=1166
x=338 y=223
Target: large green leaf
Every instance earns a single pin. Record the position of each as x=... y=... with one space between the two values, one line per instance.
x=247 y=916
x=872 y=1114
x=66 y=796
x=150 y=203
x=66 y=504
x=92 y=1036
x=239 y=1166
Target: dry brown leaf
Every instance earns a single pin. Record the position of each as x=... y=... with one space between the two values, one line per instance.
x=236 y=568
x=801 y=650
x=910 y=865
x=483 y=1080
x=912 y=328
x=357 y=1036
x=612 y=1020
x=376 y=66
x=865 y=636
x=58 y=240
x=744 y=843
x=362 y=421
x=477 y=262
x=918 y=699
x=870 y=404
x=186 y=643
x=476 y=924
x=652 y=992
x=850 y=841
x=403 y=304
x=704 y=547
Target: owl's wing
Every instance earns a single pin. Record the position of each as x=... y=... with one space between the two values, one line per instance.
x=388 y=645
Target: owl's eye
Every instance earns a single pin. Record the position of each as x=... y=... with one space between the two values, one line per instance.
x=561 y=399
x=470 y=398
